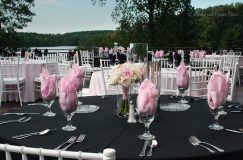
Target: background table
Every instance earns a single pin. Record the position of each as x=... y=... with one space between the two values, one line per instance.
x=96 y=86
x=29 y=69
x=103 y=129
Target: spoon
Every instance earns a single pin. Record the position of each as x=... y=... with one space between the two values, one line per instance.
x=34 y=133
x=153 y=143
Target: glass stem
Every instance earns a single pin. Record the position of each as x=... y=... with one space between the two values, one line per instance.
x=146 y=127
x=182 y=95
x=69 y=120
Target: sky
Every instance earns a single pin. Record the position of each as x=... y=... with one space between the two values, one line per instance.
x=63 y=16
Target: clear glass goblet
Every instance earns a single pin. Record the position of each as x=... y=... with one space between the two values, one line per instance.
x=182 y=95
x=48 y=104
x=69 y=107
x=147 y=120
x=216 y=113
x=69 y=114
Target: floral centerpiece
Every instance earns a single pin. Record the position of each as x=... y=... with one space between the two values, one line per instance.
x=126 y=75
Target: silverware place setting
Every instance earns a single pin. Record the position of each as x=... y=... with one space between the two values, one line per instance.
x=20 y=114
x=196 y=142
x=71 y=141
x=40 y=133
x=20 y=120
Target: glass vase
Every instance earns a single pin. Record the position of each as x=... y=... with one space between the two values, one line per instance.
x=153 y=73
x=123 y=97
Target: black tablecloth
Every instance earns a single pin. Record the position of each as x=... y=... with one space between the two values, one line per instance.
x=104 y=130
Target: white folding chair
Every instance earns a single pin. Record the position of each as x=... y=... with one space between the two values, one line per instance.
x=232 y=81
x=240 y=74
x=228 y=62
x=11 y=81
x=105 y=71
x=87 y=61
x=205 y=62
x=168 y=79
x=108 y=153
x=199 y=78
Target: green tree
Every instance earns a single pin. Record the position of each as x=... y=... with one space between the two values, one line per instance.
x=14 y=14
x=143 y=20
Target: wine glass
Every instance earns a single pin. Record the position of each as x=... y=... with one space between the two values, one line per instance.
x=147 y=120
x=68 y=105
x=216 y=113
x=182 y=95
x=48 y=104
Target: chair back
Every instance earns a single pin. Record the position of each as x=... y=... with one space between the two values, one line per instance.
x=10 y=80
x=52 y=63
x=108 y=153
x=205 y=62
x=87 y=61
x=232 y=81
x=168 y=77
x=199 y=78
x=12 y=65
x=105 y=71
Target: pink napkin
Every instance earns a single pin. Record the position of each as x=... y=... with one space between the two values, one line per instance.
x=68 y=95
x=202 y=54
x=147 y=98
x=182 y=79
x=48 y=85
x=217 y=89
x=106 y=50
x=192 y=55
x=79 y=75
x=159 y=54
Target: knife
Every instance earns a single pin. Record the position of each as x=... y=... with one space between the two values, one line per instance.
x=20 y=114
x=233 y=130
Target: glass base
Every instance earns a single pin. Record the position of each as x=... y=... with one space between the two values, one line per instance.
x=69 y=128
x=49 y=114
x=146 y=136
x=86 y=108
x=183 y=101
x=216 y=127
x=175 y=107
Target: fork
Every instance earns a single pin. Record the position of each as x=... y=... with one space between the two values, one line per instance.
x=79 y=139
x=195 y=143
x=70 y=140
x=21 y=120
x=198 y=141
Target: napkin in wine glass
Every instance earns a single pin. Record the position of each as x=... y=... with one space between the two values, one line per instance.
x=79 y=75
x=48 y=85
x=68 y=95
x=217 y=89
x=182 y=77
x=147 y=98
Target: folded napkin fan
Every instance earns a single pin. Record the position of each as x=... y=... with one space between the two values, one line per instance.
x=147 y=98
x=48 y=85
x=217 y=89
x=182 y=77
